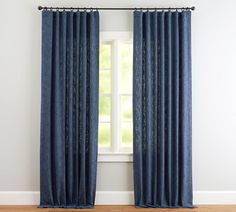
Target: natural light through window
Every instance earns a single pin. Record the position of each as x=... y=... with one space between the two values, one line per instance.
x=105 y=96
x=125 y=95
x=115 y=96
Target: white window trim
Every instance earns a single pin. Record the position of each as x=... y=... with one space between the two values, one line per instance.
x=115 y=153
x=115 y=157
x=115 y=35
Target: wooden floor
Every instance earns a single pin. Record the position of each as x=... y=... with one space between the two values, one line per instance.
x=221 y=208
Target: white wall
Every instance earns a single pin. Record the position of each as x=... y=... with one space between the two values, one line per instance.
x=214 y=92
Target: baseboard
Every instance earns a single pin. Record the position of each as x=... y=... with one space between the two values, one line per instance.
x=19 y=197
x=214 y=197
x=114 y=198
x=118 y=197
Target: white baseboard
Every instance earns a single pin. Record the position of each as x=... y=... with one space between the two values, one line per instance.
x=118 y=197
x=214 y=197
x=19 y=197
x=114 y=198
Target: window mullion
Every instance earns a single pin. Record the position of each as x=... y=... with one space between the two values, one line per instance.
x=115 y=96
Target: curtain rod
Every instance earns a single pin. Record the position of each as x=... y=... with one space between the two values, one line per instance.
x=115 y=8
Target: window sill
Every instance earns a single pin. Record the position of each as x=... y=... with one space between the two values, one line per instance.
x=115 y=157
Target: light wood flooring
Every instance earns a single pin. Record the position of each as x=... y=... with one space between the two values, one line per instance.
x=215 y=208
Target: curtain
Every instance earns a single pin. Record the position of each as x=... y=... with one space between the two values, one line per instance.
x=69 y=110
x=162 y=109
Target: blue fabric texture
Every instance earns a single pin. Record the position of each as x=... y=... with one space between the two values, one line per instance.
x=162 y=109
x=69 y=109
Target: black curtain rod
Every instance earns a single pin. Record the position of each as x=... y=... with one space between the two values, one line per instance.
x=115 y=8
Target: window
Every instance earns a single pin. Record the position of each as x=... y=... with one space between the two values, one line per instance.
x=115 y=93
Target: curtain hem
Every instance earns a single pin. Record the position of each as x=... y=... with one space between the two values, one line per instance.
x=66 y=206
x=165 y=206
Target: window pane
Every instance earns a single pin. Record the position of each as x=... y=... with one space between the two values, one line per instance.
x=127 y=134
x=104 y=134
x=126 y=108
x=126 y=68
x=104 y=108
x=105 y=81
x=105 y=56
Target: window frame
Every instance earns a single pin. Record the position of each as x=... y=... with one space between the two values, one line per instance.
x=115 y=153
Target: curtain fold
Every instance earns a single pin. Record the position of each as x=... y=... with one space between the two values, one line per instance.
x=69 y=109
x=162 y=109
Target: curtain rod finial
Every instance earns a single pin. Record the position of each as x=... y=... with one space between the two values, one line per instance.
x=193 y=8
x=40 y=7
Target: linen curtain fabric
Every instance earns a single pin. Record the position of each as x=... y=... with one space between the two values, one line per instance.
x=162 y=109
x=69 y=112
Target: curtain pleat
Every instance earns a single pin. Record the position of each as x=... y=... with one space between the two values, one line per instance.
x=69 y=111
x=162 y=109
